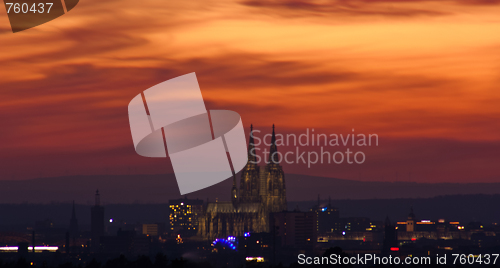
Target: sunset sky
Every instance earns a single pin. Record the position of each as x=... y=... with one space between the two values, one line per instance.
x=422 y=75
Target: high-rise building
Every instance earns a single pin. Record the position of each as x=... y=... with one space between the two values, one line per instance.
x=328 y=218
x=294 y=228
x=96 y=222
x=73 y=224
x=261 y=192
x=183 y=216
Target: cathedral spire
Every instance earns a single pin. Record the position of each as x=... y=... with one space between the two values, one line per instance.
x=273 y=139
x=387 y=221
x=273 y=152
x=73 y=213
x=252 y=153
x=97 y=198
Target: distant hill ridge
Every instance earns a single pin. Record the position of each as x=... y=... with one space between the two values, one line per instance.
x=160 y=188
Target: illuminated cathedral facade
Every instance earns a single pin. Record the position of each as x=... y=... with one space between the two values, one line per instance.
x=261 y=192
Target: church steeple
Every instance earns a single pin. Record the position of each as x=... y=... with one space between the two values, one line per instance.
x=252 y=152
x=249 y=183
x=97 y=198
x=387 y=221
x=73 y=213
x=273 y=152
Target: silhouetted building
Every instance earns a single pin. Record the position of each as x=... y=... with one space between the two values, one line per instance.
x=150 y=229
x=257 y=244
x=328 y=218
x=413 y=230
x=262 y=191
x=294 y=228
x=183 y=216
x=96 y=222
x=348 y=233
x=22 y=249
x=390 y=237
x=127 y=243
x=73 y=224
x=44 y=225
x=356 y=224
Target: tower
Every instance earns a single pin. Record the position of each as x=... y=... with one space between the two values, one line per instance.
x=273 y=151
x=96 y=222
x=73 y=224
x=250 y=175
x=274 y=191
x=410 y=223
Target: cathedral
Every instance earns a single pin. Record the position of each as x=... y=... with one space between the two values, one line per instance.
x=261 y=192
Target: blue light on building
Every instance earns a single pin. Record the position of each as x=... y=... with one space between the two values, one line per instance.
x=224 y=242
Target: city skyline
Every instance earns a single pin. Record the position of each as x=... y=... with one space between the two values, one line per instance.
x=320 y=229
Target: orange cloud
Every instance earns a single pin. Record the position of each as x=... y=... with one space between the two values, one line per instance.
x=418 y=72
